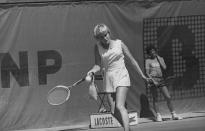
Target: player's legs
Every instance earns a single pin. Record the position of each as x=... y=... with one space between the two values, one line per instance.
x=154 y=92
x=167 y=97
x=121 y=95
x=111 y=101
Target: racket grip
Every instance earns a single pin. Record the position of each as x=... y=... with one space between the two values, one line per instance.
x=78 y=82
x=91 y=74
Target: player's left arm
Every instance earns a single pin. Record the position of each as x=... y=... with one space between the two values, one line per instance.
x=129 y=56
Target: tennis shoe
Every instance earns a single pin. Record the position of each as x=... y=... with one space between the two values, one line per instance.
x=176 y=117
x=158 y=117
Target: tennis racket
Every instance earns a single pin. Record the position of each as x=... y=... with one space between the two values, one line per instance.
x=60 y=93
x=161 y=81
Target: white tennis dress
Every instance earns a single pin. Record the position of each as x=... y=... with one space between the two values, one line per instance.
x=115 y=72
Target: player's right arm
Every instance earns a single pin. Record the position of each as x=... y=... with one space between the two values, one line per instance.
x=97 y=64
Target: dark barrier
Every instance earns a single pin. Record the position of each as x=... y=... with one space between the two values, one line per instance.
x=180 y=41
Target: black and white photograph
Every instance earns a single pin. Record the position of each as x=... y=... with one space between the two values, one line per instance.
x=102 y=65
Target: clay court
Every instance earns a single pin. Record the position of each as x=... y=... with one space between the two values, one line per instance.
x=193 y=120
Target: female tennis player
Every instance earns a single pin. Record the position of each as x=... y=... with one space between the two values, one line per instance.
x=154 y=66
x=116 y=77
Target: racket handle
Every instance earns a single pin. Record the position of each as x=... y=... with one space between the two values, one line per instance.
x=78 y=82
x=153 y=81
x=90 y=76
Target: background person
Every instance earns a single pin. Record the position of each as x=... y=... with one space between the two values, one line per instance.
x=154 y=66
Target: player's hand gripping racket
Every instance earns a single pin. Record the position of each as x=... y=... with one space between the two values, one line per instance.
x=165 y=81
x=60 y=94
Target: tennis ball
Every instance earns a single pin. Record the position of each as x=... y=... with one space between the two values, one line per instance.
x=88 y=78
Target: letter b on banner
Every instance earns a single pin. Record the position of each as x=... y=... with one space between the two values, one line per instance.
x=180 y=41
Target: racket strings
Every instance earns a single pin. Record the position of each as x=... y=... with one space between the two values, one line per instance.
x=58 y=95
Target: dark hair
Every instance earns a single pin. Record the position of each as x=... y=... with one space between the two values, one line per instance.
x=149 y=48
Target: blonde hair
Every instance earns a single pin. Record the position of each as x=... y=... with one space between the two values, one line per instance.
x=100 y=30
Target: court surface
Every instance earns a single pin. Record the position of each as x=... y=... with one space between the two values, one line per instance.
x=190 y=124
x=192 y=110
x=193 y=122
